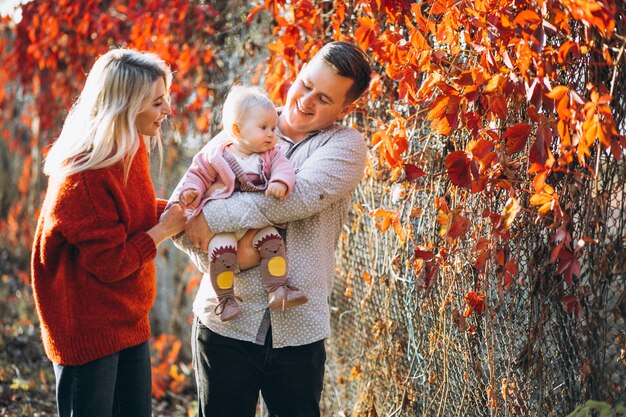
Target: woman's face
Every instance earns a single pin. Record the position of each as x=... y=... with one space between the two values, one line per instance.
x=156 y=109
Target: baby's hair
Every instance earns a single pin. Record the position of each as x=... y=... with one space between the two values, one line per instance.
x=240 y=100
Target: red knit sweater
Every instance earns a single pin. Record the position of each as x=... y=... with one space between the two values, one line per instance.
x=92 y=263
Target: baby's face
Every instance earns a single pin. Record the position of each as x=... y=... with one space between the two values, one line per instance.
x=257 y=131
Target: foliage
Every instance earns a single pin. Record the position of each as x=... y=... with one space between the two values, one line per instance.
x=504 y=116
x=592 y=408
x=512 y=105
x=168 y=373
x=491 y=77
x=46 y=55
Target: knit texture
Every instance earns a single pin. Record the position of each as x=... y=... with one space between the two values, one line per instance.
x=92 y=266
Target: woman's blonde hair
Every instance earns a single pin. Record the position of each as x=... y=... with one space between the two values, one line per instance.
x=100 y=129
x=240 y=100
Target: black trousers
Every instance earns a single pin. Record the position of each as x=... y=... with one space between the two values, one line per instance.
x=230 y=374
x=118 y=385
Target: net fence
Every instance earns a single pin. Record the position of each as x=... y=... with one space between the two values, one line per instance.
x=402 y=349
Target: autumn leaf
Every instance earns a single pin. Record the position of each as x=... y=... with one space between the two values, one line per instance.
x=475 y=303
x=526 y=18
x=516 y=136
x=412 y=172
x=386 y=216
x=557 y=92
x=568 y=266
x=545 y=199
x=458 y=227
x=253 y=13
x=444 y=113
x=571 y=304
x=540 y=156
x=458 y=168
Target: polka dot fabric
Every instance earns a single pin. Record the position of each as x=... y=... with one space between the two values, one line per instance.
x=329 y=164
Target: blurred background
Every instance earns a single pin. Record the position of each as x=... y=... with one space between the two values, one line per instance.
x=482 y=269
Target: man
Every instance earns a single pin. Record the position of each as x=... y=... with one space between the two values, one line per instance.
x=281 y=353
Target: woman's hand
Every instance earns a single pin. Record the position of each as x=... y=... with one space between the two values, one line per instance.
x=171 y=222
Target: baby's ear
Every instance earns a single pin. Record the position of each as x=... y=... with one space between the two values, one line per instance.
x=235 y=129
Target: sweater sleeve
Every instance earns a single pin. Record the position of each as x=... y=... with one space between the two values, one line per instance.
x=330 y=173
x=282 y=170
x=161 y=204
x=94 y=227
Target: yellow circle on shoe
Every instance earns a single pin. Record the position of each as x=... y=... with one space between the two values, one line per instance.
x=225 y=280
x=277 y=266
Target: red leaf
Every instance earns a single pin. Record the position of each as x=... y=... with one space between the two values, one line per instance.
x=517 y=136
x=572 y=304
x=568 y=266
x=497 y=105
x=423 y=254
x=413 y=172
x=475 y=302
x=459 y=227
x=458 y=168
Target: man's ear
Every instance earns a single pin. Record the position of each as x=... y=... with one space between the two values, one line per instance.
x=346 y=110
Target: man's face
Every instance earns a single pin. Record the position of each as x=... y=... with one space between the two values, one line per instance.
x=316 y=100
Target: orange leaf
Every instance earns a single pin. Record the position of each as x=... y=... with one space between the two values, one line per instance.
x=546 y=199
x=557 y=92
x=253 y=13
x=498 y=106
x=527 y=17
x=397 y=226
x=494 y=84
x=202 y=123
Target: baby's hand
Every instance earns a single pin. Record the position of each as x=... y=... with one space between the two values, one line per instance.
x=187 y=199
x=277 y=189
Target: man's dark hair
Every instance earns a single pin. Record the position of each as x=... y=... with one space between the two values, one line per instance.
x=348 y=60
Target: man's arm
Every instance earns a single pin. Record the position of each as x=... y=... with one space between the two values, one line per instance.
x=330 y=173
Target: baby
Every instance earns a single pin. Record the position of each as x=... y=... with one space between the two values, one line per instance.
x=247 y=159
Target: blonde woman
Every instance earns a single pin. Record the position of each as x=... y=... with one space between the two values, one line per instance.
x=92 y=261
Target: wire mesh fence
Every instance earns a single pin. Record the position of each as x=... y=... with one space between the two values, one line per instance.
x=400 y=349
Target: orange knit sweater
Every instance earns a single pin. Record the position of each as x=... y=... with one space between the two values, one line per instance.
x=92 y=262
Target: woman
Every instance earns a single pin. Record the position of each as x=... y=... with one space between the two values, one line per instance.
x=92 y=262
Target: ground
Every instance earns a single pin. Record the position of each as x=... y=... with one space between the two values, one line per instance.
x=26 y=376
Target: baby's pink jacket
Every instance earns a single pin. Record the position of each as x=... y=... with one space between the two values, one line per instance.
x=211 y=176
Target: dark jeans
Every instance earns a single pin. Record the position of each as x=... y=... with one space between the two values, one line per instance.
x=118 y=385
x=230 y=373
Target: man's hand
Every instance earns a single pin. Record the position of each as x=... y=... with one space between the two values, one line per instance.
x=198 y=231
x=247 y=256
x=277 y=189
